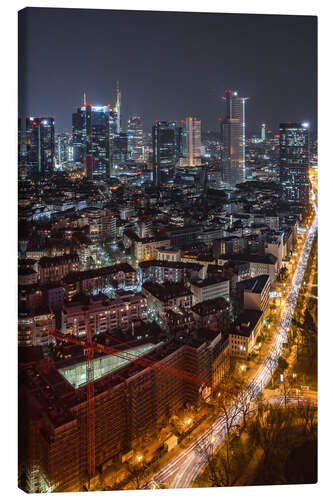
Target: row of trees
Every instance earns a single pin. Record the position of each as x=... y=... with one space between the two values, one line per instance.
x=260 y=444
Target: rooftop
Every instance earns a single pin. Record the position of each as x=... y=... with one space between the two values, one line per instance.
x=210 y=306
x=171 y=264
x=255 y=285
x=167 y=290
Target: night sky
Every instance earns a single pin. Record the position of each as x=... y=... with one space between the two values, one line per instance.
x=170 y=65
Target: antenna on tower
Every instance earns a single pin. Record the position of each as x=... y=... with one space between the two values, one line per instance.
x=84 y=99
x=117 y=107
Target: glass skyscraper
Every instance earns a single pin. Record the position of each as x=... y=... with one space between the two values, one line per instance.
x=135 y=138
x=192 y=142
x=164 y=152
x=92 y=126
x=233 y=138
x=40 y=146
x=294 y=161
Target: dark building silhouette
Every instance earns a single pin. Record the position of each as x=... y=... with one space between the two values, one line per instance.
x=135 y=138
x=164 y=152
x=91 y=135
x=294 y=161
x=40 y=146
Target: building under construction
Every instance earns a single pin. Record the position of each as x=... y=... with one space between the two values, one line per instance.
x=129 y=398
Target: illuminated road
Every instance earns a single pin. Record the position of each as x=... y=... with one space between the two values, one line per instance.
x=184 y=469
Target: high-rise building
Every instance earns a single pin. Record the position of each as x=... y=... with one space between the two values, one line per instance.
x=263 y=132
x=118 y=108
x=40 y=146
x=63 y=143
x=98 y=143
x=91 y=135
x=164 y=152
x=79 y=128
x=179 y=139
x=119 y=149
x=135 y=138
x=294 y=161
x=21 y=153
x=88 y=166
x=192 y=142
x=233 y=138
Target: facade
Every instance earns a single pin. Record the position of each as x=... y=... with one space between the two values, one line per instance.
x=159 y=271
x=210 y=288
x=34 y=329
x=233 y=138
x=164 y=152
x=192 y=142
x=255 y=292
x=91 y=136
x=144 y=248
x=267 y=264
x=179 y=139
x=102 y=314
x=161 y=297
x=244 y=332
x=135 y=138
x=56 y=268
x=294 y=161
x=212 y=314
x=119 y=150
x=40 y=146
x=94 y=281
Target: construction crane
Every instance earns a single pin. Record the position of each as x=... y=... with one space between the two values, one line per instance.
x=89 y=348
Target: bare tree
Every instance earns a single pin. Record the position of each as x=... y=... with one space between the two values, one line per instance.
x=138 y=473
x=308 y=415
x=246 y=397
x=224 y=467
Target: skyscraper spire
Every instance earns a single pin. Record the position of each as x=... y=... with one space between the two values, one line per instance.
x=84 y=99
x=118 y=105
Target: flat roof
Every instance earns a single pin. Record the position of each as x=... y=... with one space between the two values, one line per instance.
x=76 y=374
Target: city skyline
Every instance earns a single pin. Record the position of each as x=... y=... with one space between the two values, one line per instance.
x=259 y=63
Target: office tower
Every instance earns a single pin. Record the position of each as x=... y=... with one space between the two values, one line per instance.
x=135 y=138
x=91 y=135
x=119 y=149
x=62 y=150
x=263 y=132
x=179 y=139
x=40 y=144
x=21 y=153
x=98 y=144
x=294 y=161
x=164 y=152
x=233 y=138
x=192 y=142
x=88 y=166
x=79 y=130
x=117 y=108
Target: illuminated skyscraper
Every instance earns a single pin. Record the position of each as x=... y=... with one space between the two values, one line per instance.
x=263 y=132
x=233 y=138
x=79 y=129
x=294 y=161
x=192 y=142
x=40 y=146
x=91 y=136
x=135 y=138
x=164 y=152
x=179 y=139
x=119 y=149
x=98 y=143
